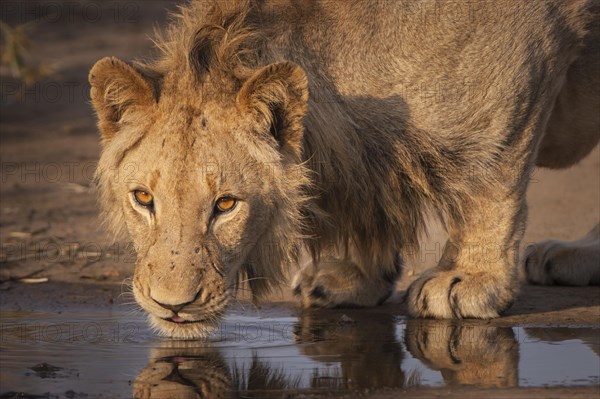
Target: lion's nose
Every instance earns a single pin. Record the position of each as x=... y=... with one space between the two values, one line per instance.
x=176 y=308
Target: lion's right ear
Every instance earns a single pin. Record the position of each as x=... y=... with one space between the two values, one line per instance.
x=117 y=88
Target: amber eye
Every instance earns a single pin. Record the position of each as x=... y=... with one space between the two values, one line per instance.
x=225 y=204
x=143 y=198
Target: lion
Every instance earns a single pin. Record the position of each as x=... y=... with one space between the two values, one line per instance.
x=268 y=129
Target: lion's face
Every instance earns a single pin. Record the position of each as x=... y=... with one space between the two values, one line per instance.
x=195 y=206
x=205 y=190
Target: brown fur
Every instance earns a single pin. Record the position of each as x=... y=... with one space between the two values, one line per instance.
x=339 y=126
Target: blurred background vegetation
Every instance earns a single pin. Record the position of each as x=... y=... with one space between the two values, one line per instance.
x=15 y=53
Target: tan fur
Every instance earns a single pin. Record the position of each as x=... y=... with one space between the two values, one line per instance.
x=339 y=126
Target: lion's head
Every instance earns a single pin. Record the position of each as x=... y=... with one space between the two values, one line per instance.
x=203 y=170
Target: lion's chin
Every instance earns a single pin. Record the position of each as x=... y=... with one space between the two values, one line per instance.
x=188 y=330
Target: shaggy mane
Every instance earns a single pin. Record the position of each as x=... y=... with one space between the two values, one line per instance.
x=214 y=39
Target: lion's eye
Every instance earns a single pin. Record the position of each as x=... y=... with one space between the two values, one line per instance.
x=225 y=204
x=143 y=198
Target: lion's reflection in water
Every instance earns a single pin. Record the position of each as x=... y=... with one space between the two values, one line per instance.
x=466 y=354
x=190 y=369
x=183 y=370
x=348 y=354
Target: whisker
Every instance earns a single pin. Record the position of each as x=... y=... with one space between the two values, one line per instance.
x=127 y=286
x=129 y=304
x=134 y=311
x=125 y=295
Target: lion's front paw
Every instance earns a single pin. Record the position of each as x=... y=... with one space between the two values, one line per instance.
x=446 y=294
x=336 y=283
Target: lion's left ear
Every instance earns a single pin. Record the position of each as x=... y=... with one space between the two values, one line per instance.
x=278 y=95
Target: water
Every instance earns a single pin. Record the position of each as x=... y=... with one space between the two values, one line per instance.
x=114 y=354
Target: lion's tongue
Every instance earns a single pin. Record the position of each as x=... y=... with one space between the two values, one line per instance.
x=177 y=319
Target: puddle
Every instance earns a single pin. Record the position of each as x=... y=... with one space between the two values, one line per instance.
x=114 y=354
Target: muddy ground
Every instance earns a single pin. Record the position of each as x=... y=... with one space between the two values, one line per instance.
x=55 y=255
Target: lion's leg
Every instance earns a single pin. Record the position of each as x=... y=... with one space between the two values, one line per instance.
x=477 y=275
x=565 y=262
x=341 y=282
